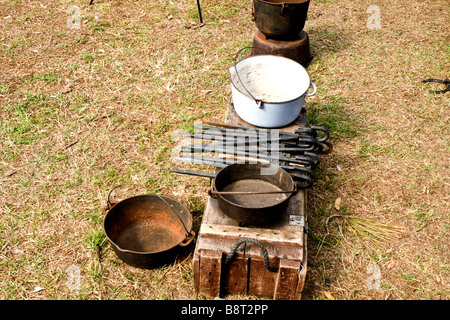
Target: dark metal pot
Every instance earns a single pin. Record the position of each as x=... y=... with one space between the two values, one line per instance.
x=253 y=208
x=147 y=231
x=280 y=19
x=251 y=193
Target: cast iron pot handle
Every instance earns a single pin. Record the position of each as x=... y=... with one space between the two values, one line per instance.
x=263 y=249
x=188 y=239
x=110 y=204
x=312 y=93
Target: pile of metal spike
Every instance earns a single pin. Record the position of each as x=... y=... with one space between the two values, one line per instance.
x=219 y=145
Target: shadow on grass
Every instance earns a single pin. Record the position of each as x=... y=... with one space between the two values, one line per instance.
x=333 y=114
x=327 y=39
x=343 y=124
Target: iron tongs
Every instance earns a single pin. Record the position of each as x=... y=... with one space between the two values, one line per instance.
x=445 y=82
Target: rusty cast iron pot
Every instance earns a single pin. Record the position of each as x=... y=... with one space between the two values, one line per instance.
x=253 y=208
x=280 y=19
x=147 y=231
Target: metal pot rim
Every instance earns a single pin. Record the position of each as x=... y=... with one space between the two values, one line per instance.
x=256 y=208
x=270 y=57
x=288 y=2
x=188 y=237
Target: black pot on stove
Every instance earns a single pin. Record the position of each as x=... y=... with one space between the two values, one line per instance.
x=280 y=19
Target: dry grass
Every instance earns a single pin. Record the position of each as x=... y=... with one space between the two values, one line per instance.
x=139 y=70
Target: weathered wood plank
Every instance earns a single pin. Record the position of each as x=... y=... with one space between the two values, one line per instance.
x=196 y=269
x=250 y=250
x=275 y=237
x=261 y=281
x=210 y=273
x=235 y=276
x=287 y=280
x=303 y=269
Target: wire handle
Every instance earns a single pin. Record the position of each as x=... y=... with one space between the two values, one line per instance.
x=110 y=204
x=108 y=201
x=257 y=101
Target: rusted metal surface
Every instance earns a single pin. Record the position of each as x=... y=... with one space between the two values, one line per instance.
x=280 y=19
x=296 y=49
x=146 y=231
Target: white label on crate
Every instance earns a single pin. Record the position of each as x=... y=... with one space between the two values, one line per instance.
x=296 y=220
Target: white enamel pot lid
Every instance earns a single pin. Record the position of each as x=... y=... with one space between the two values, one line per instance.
x=270 y=78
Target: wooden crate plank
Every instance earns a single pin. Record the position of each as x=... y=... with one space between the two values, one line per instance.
x=275 y=237
x=303 y=269
x=210 y=273
x=287 y=280
x=235 y=276
x=261 y=281
x=213 y=215
x=252 y=250
x=196 y=269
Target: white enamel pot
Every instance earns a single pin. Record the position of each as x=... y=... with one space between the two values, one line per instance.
x=269 y=91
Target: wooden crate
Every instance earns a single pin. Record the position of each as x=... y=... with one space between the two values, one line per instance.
x=285 y=242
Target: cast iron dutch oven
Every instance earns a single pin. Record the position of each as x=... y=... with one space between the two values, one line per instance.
x=147 y=231
x=280 y=19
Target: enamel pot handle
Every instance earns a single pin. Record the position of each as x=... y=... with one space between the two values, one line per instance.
x=312 y=93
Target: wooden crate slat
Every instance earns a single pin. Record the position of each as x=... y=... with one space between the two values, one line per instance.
x=251 y=250
x=235 y=276
x=287 y=280
x=210 y=273
x=275 y=237
x=261 y=281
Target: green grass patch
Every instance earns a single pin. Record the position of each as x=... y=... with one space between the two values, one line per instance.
x=334 y=116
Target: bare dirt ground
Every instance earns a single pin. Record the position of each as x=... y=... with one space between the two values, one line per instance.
x=90 y=96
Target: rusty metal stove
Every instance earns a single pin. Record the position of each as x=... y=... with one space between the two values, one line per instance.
x=280 y=30
x=296 y=49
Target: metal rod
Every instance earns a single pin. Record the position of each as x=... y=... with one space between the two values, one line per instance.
x=231 y=126
x=194 y=173
x=251 y=192
x=225 y=162
x=220 y=161
x=247 y=138
x=213 y=147
x=248 y=132
x=199 y=11
x=301 y=137
x=199 y=161
x=303 y=159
